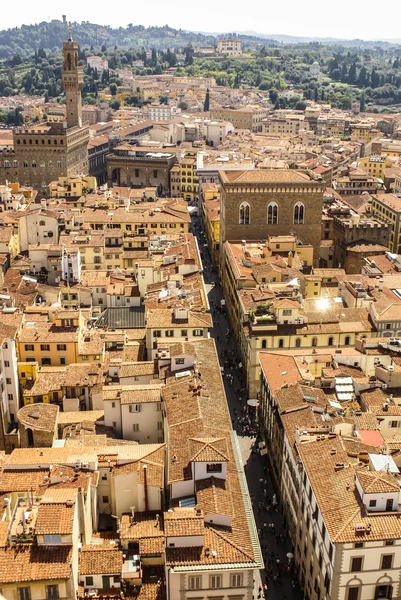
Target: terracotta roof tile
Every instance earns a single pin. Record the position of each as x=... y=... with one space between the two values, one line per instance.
x=100 y=559
x=35 y=563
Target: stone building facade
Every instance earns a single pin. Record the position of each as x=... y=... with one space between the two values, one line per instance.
x=140 y=167
x=37 y=425
x=47 y=151
x=259 y=203
x=355 y=231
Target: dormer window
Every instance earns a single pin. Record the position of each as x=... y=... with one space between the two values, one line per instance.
x=214 y=467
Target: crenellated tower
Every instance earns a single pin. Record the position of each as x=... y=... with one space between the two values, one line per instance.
x=73 y=78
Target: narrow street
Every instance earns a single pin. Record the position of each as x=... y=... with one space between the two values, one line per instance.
x=278 y=574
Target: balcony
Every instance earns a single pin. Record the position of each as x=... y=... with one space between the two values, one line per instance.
x=132 y=570
x=263 y=323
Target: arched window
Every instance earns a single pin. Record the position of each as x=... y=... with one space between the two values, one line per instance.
x=281 y=343
x=6 y=164
x=15 y=164
x=298 y=343
x=25 y=164
x=244 y=214
x=330 y=341
x=34 y=165
x=42 y=223
x=264 y=344
x=314 y=342
x=299 y=213
x=272 y=214
x=347 y=340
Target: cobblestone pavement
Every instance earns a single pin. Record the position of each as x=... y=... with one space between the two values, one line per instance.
x=278 y=573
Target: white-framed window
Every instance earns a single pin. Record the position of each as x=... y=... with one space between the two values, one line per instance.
x=236 y=580
x=272 y=214
x=197 y=332
x=215 y=582
x=244 y=214
x=299 y=214
x=195 y=582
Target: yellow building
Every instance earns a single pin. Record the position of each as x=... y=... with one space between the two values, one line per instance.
x=363 y=132
x=375 y=165
x=175 y=181
x=387 y=207
x=249 y=117
x=9 y=240
x=142 y=219
x=211 y=218
x=53 y=342
x=67 y=187
x=313 y=286
x=189 y=182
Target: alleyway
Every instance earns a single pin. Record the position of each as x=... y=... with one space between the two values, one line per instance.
x=278 y=574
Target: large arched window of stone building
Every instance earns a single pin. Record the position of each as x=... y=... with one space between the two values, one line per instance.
x=272 y=214
x=299 y=213
x=244 y=214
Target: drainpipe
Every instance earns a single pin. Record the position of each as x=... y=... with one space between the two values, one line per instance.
x=145 y=484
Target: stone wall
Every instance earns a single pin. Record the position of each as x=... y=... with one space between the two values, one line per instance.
x=286 y=197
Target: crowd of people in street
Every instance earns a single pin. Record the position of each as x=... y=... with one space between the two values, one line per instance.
x=279 y=579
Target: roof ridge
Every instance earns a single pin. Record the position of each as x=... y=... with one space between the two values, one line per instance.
x=233 y=544
x=209 y=444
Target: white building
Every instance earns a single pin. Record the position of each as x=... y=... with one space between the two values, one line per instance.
x=38 y=226
x=135 y=412
x=162 y=112
x=230 y=47
x=9 y=385
x=217 y=131
x=98 y=63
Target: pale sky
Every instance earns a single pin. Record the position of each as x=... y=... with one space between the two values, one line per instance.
x=346 y=19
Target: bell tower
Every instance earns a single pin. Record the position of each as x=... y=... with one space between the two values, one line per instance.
x=73 y=78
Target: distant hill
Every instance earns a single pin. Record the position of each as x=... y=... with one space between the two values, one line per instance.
x=294 y=39
x=50 y=36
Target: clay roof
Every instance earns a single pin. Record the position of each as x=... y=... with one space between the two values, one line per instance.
x=55 y=513
x=100 y=559
x=35 y=563
x=39 y=416
x=377 y=482
x=265 y=176
x=208 y=449
x=214 y=495
x=337 y=497
x=183 y=522
x=144 y=525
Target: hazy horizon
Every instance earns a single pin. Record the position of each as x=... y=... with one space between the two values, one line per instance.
x=296 y=20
